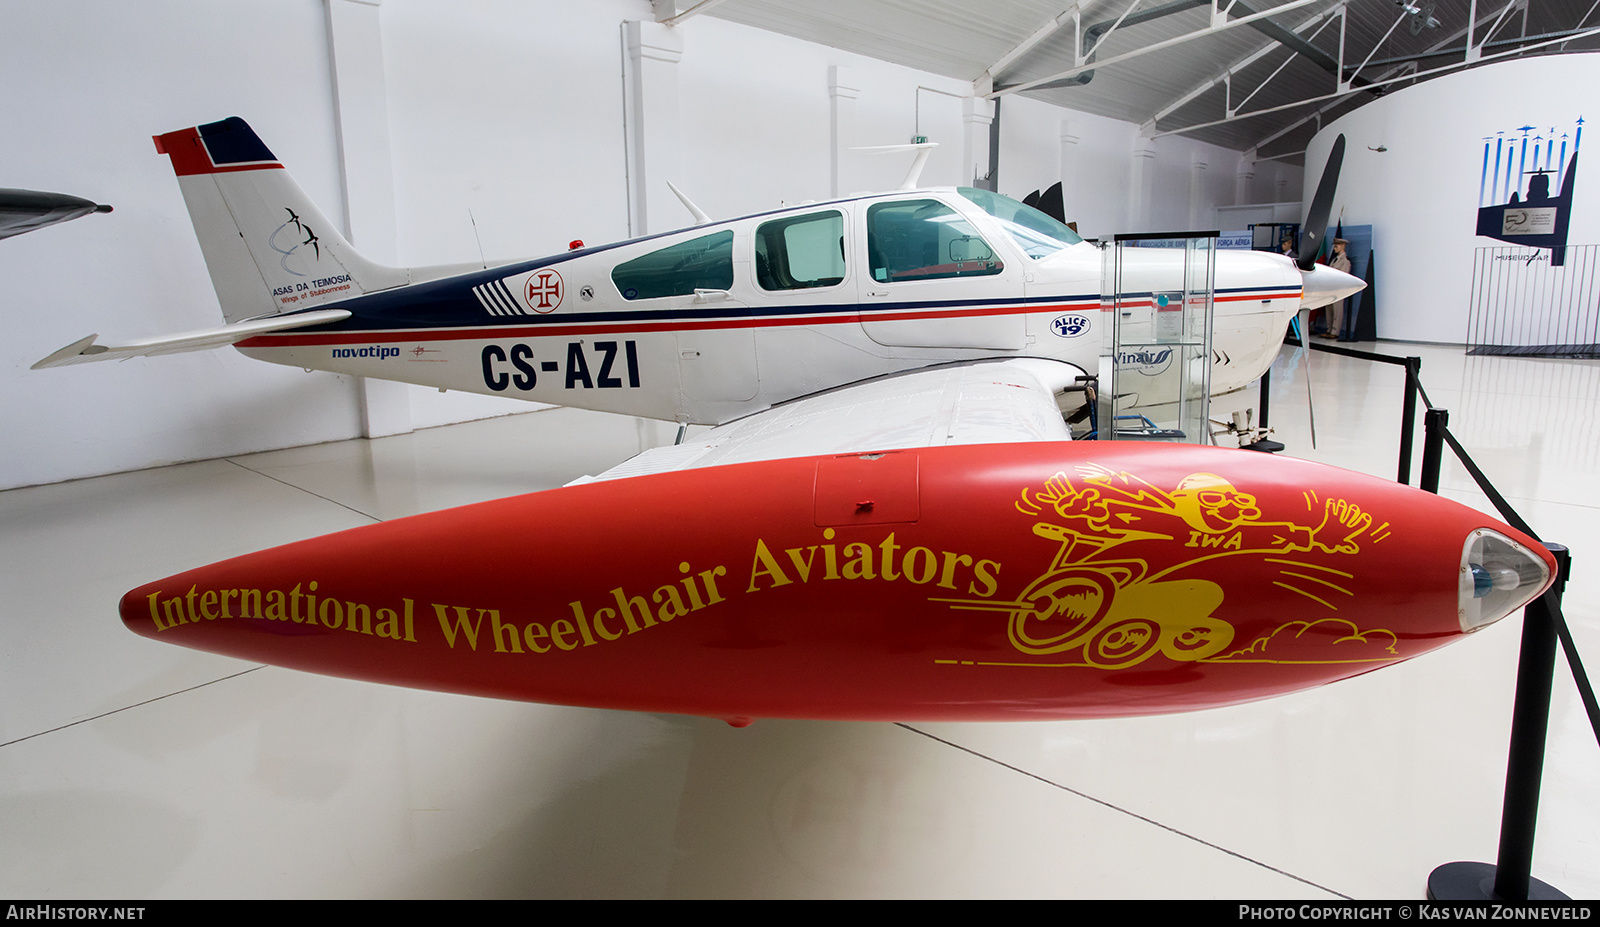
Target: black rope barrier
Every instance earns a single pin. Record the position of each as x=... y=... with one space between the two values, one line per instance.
x=1349 y=352
x=1408 y=408
x=1436 y=429
x=1543 y=625
x=1557 y=618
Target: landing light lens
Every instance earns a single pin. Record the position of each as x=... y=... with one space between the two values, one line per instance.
x=1498 y=576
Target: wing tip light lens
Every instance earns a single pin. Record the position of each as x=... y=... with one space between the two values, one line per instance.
x=1498 y=576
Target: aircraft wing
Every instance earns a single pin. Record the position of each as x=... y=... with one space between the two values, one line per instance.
x=986 y=402
x=85 y=350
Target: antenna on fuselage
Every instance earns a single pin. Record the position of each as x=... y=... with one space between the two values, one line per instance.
x=700 y=218
x=923 y=150
x=478 y=238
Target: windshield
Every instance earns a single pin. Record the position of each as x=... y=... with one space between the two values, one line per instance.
x=1037 y=234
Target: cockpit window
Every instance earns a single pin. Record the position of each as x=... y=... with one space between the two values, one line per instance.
x=800 y=252
x=678 y=270
x=925 y=240
x=1037 y=234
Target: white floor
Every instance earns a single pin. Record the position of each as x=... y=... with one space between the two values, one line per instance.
x=133 y=769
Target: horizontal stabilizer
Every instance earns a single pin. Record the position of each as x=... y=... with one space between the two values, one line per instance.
x=85 y=350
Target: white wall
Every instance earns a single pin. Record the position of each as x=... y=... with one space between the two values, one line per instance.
x=756 y=120
x=506 y=113
x=1421 y=195
x=512 y=111
x=1094 y=159
x=87 y=84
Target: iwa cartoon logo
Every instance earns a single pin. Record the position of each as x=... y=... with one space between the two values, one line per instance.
x=1069 y=326
x=1134 y=575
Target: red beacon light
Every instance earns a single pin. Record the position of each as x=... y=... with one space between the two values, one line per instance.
x=575 y=244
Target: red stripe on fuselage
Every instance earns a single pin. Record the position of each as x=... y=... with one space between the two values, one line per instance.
x=1264 y=297
x=1261 y=297
x=380 y=336
x=489 y=332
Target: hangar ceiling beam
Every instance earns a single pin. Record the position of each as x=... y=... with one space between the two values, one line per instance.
x=1213 y=29
x=1397 y=21
x=1228 y=73
x=1085 y=54
x=1089 y=38
x=1303 y=47
x=1566 y=35
x=1454 y=66
x=1027 y=45
x=1498 y=20
x=672 y=12
x=1391 y=74
x=1587 y=15
x=1232 y=107
x=1436 y=48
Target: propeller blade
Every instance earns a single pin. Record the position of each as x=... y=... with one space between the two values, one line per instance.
x=1031 y=199
x=1051 y=203
x=1302 y=331
x=1316 y=226
x=28 y=210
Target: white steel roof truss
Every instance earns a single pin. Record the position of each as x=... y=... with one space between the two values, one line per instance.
x=1379 y=83
x=1232 y=109
x=1392 y=73
x=1580 y=21
x=1227 y=74
x=1500 y=20
x=667 y=14
x=1084 y=56
x=1039 y=35
x=1398 y=20
x=1157 y=46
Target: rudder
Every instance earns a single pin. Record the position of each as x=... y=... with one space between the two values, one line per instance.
x=268 y=248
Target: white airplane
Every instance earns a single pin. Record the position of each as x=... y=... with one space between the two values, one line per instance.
x=701 y=325
x=888 y=521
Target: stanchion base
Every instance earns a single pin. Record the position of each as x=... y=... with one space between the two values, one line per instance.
x=1265 y=446
x=1463 y=881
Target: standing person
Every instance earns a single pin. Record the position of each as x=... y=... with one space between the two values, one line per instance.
x=1339 y=261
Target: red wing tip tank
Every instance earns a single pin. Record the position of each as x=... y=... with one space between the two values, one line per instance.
x=977 y=582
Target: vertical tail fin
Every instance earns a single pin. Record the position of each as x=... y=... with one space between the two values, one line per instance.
x=268 y=247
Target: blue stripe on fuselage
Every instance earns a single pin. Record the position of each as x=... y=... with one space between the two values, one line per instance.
x=450 y=303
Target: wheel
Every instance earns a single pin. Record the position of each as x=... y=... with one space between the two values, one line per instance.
x=1064 y=607
x=1200 y=638
x=1124 y=643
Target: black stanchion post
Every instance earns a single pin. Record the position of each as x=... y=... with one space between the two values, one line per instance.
x=1511 y=878
x=1434 y=424
x=1530 y=720
x=1408 y=418
x=1266 y=395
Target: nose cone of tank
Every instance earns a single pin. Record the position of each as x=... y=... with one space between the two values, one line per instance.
x=1498 y=576
x=1323 y=285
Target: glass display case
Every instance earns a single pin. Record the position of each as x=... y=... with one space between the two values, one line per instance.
x=1155 y=360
